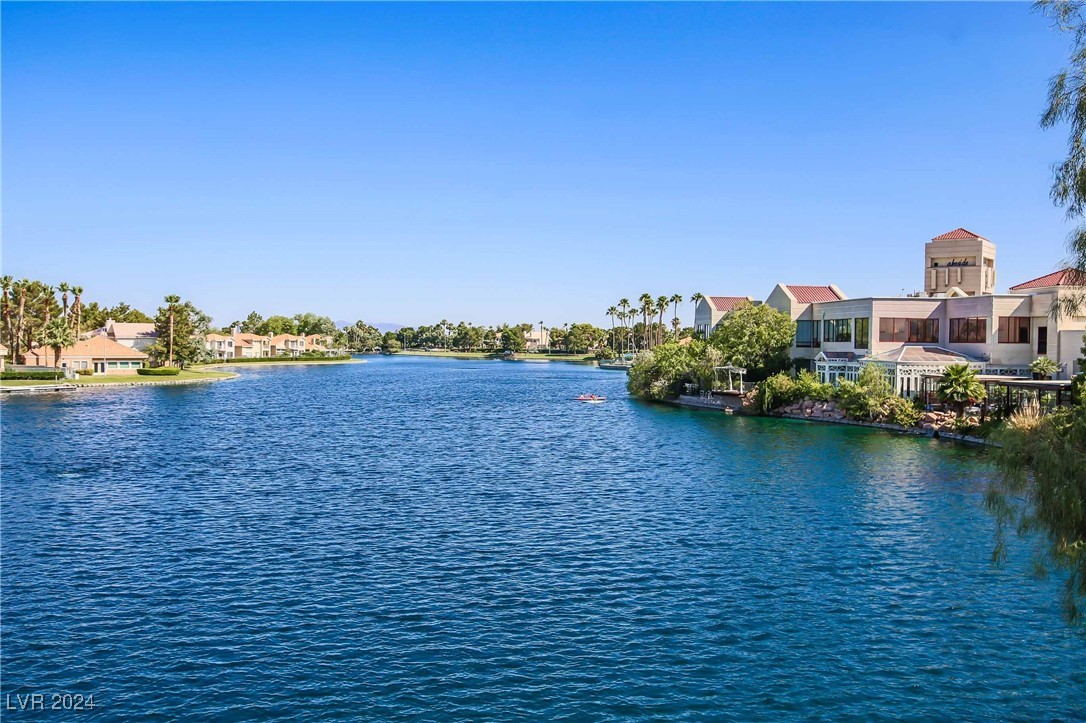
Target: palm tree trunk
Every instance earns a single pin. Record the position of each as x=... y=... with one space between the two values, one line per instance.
x=170 y=361
x=17 y=356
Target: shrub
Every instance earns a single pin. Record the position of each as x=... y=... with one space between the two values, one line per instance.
x=44 y=376
x=661 y=372
x=865 y=398
x=902 y=412
x=159 y=371
x=1044 y=367
x=808 y=386
x=774 y=392
x=84 y=372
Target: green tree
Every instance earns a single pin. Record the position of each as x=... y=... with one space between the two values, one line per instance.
x=513 y=337
x=56 y=335
x=77 y=309
x=252 y=323
x=276 y=325
x=310 y=323
x=182 y=331
x=660 y=373
x=958 y=387
x=6 y=283
x=756 y=338
x=390 y=344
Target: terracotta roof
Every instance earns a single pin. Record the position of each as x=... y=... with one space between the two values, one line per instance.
x=922 y=354
x=217 y=337
x=287 y=337
x=239 y=341
x=727 y=303
x=957 y=233
x=125 y=330
x=813 y=294
x=246 y=336
x=96 y=347
x=1063 y=277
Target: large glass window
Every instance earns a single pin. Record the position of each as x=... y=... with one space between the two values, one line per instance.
x=973 y=330
x=1014 y=330
x=837 y=330
x=807 y=334
x=863 y=333
x=918 y=331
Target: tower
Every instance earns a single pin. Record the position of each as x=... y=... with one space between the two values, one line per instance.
x=959 y=259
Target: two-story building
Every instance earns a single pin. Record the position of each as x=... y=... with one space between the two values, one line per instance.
x=287 y=345
x=711 y=309
x=220 y=346
x=248 y=346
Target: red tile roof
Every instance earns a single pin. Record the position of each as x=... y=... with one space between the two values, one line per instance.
x=96 y=347
x=957 y=234
x=813 y=294
x=727 y=303
x=1063 y=277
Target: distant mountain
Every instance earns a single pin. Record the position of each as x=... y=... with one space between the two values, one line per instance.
x=381 y=326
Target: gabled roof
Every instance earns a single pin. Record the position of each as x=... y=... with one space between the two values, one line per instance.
x=126 y=330
x=1063 y=277
x=217 y=337
x=958 y=233
x=727 y=303
x=287 y=337
x=96 y=347
x=239 y=341
x=813 y=294
x=246 y=336
x=922 y=354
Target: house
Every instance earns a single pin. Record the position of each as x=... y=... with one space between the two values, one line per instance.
x=799 y=302
x=132 y=335
x=247 y=346
x=325 y=343
x=99 y=353
x=220 y=346
x=957 y=320
x=711 y=309
x=287 y=345
x=537 y=339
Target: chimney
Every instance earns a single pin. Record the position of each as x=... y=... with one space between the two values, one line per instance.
x=236 y=330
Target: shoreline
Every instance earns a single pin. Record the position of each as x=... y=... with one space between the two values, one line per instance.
x=693 y=403
x=72 y=386
x=257 y=365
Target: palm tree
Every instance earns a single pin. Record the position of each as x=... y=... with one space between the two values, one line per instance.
x=77 y=309
x=541 y=336
x=612 y=312
x=20 y=288
x=64 y=288
x=5 y=299
x=48 y=295
x=57 y=335
x=661 y=307
x=694 y=299
x=624 y=304
x=170 y=301
x=959 y=387
x=676 y=299
x=646 y=308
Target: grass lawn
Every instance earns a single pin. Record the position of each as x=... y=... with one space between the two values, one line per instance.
x=28 y=382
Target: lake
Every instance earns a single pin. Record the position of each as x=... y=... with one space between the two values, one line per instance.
x=437 y=539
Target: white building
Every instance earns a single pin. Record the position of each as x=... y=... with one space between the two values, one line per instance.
x=711 y=309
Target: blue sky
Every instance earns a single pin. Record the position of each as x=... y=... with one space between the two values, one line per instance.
x=496 y=162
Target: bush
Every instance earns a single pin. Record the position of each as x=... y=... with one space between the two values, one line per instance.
x=45 y=376
x=158 y=371
x=774 y=392
x=808 y=386
x=661 y=372
x=84 y=372
x=865 y=398
x=902 y=412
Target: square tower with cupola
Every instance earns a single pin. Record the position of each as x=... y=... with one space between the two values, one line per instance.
x=959 y=262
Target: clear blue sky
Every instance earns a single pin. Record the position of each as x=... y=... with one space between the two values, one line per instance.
x=489 y=162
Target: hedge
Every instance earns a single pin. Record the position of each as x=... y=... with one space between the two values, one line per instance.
x=50 y=376
x=159 y=371
x=303 y=358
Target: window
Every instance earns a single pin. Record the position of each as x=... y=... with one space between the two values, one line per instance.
x=807 y=334
x=863 y=333
x=837 y=330
x=1014 y=330
x=920 y=331
x=973 y=330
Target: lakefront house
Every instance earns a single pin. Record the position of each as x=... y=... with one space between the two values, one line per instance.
x=711 y=309
x=957 y=319
x=98 y=353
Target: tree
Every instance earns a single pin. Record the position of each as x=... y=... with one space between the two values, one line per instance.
x=646 y=309
x=252 y=323
x=389 y=343
x=182 y=333
x=310 y=323
x=6 y=283
x=276 y=325
x=959 y=387
x=756 y=338
x=661 y=308
x=676 y=299
x=56 y=335
x=77 y=309
x=695 y=298
x=1067 y=105
x=64 y=288
x=513 y=337
x=660 y=373
x=363 y=337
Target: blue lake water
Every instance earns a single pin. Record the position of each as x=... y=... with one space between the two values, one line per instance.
x=440 y=539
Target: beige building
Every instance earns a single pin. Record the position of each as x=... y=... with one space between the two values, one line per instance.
x=247 y=346
x=959 y=262
x=220 y=346
x=287 y=345
x=99 y=353
x=799 y=302
x=133 y=335
x=711 y=309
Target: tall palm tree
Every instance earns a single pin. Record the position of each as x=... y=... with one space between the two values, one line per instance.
x=624 y=304
x=20 y=288
x=646 y=308
x=541 y=335
x=5 y=299
x=694 y=299
x=57 y=335
x=171 y=300
x=48 y=295
x=661 y=308
x=77 y=309
x=612 y=312
x=676 y=299
x=64 y=288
